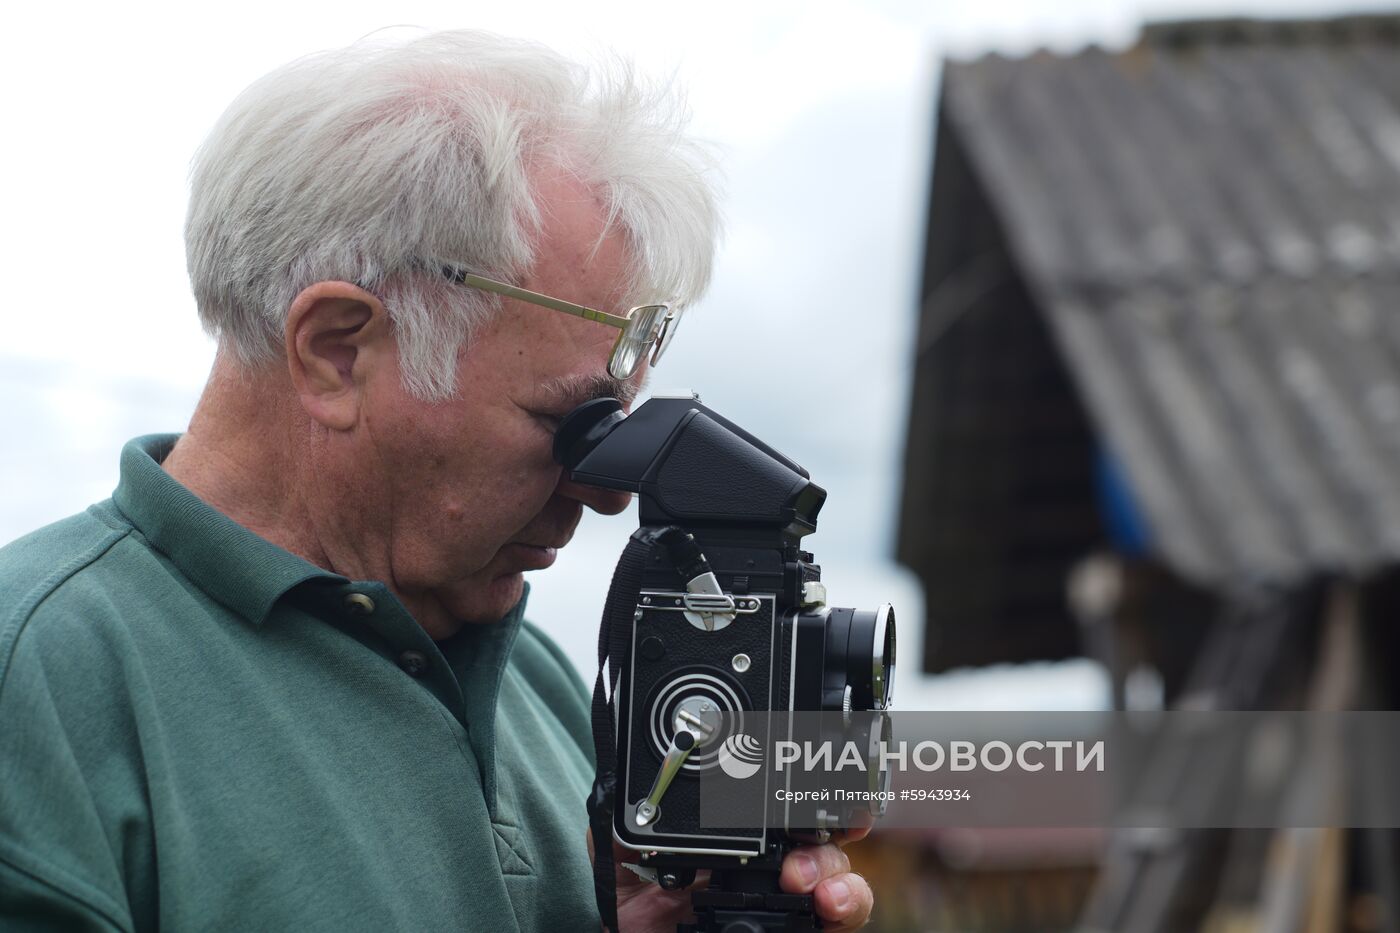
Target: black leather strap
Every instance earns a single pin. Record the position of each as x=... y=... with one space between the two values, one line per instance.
x=614 y=641
x=614 y=638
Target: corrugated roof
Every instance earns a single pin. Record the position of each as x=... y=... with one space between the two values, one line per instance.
x=1210 y=221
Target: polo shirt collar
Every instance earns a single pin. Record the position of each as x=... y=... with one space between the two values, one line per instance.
x=241 y=570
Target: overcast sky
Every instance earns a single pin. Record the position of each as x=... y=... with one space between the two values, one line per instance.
x=823 y=112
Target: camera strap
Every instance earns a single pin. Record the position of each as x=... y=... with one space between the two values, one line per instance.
x=613 y=636
x=614 y=640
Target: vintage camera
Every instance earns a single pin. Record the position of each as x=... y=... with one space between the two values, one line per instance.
x=716 y=623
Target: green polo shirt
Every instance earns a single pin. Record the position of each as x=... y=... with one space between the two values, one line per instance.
x=202 y=731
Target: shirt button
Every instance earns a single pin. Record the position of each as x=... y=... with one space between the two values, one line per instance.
x=414 y=663
x=358 y=604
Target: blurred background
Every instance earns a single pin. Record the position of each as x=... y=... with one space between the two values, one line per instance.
x=1083 y=313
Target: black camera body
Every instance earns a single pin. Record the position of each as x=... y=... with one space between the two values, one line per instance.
x=716 y=624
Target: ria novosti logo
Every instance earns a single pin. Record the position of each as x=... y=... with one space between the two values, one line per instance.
x=741 y=756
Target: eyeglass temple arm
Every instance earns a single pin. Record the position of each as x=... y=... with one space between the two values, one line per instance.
x=535 y=298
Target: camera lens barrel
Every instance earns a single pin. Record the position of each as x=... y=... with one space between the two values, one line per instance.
x=860 y=658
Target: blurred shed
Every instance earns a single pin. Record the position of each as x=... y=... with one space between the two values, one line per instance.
x=1158 y=316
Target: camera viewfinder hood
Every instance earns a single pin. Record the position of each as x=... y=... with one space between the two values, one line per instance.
x=688 y=464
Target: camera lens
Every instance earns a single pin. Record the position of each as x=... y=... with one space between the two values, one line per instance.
x=860 y=655
x=882 y=656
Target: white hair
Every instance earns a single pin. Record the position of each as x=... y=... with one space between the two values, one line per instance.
x=382 y=161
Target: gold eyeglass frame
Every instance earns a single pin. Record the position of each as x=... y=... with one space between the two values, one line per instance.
x=644 y=329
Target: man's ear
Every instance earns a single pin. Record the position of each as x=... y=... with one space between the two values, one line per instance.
x=336 y=334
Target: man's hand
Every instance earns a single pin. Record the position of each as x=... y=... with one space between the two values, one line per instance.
x=843 y=899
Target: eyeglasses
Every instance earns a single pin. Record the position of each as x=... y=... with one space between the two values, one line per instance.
x=644 y=328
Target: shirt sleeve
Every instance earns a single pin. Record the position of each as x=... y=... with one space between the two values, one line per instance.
x=58 y=869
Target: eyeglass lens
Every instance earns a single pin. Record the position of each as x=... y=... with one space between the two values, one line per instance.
x=637 y=338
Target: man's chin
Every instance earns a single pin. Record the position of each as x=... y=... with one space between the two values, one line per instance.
x=479 y=603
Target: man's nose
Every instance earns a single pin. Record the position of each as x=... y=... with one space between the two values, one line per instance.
x=605 y=501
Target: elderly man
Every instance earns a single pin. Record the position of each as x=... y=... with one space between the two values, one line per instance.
x=281 y=679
